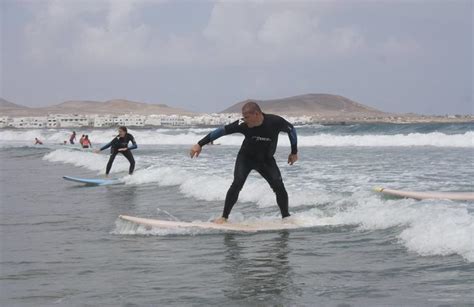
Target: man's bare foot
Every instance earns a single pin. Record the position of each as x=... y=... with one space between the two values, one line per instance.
x=220 y=220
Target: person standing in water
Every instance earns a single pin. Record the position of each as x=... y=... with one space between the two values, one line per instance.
x=86 y=143
x=120 y=145
x=72 y=137
x=256 y=153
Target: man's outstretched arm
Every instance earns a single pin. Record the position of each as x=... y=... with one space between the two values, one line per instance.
x=214 y=135
x=211 y=137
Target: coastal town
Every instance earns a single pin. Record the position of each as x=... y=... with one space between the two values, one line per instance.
x=132 y=120
x=105 y=121
x=214 y=119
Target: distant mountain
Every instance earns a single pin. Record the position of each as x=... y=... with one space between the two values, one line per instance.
x=322 y=105
x=116 y=106
x=113 y=107
x=5 y=104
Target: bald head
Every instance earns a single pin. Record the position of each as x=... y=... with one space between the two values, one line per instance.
x=251 y=107
x=252 y=114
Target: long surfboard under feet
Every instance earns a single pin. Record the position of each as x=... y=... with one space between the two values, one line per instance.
x=88 y=181
x=466 y=196
x=243 y=227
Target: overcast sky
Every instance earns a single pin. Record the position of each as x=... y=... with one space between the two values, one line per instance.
x=397 y=56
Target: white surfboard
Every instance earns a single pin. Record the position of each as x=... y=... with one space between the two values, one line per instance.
x=88 y=181
x=244 y=227
x=466 y=196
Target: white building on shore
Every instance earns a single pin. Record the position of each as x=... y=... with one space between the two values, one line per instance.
x=71 y=121
x=175 y=121
x=51 y=122
x=27 y=122
x=4 y=121
x=153 y=120
x=103 y=121
x=215 y=119
x=129 y=120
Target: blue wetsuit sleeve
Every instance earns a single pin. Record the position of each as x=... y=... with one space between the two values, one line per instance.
x=293 y=140
x=106 y=146
x=288 y=128
x=134 y=144
x=221 y=131
x=214 y=135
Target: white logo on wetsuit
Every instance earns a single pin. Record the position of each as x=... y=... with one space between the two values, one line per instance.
x=241 y=121
x=261 y=139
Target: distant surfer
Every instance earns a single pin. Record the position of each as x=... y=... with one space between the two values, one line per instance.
x=72 y=138
x=86 y=143
x=38 y=142
x=120 y=145
x=81 y=139
x=256 y=153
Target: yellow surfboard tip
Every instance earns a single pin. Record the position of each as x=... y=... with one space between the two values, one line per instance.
x=378 y=189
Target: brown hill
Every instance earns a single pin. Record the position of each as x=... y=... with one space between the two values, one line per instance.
x=322 y=105
x=113 y=107
x=7 y=105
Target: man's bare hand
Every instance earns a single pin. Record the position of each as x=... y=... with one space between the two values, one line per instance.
x=97 y=151
x=195 y=151
x=220 y=220
x=292 y=158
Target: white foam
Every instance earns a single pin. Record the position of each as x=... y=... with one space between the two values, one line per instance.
x=441 y=232
x=431 y=227
x=128 y=228
x=89 y=160
x=214 y=187
x=191 y=136
x=164 y=176
x=413 y=139
x=190 y=182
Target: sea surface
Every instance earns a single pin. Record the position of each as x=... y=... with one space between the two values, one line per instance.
x=62 y=243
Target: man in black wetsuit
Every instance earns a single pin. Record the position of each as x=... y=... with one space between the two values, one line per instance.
x=120 y=144
x=261 y=138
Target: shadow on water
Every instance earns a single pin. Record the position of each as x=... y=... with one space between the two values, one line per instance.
x=23 y=152
x=261 y=271
x=121 y=196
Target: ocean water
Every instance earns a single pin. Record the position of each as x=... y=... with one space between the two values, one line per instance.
x=62 y=244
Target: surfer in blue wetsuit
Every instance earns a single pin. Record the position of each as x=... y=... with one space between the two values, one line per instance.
x=256 y=153
x=120 y=145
